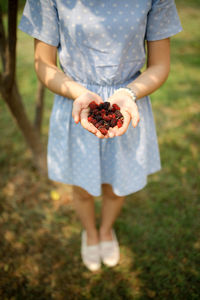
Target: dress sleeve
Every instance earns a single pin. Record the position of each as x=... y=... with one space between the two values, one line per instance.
x=40 y=20
x=162 y=20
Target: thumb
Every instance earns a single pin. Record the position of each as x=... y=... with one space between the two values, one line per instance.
x=76 y=110
x=135 y=117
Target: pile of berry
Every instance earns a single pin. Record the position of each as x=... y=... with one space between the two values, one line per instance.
x=103 y=116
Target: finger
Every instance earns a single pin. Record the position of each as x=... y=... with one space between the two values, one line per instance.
x=98 y=99
x=100 y=135
x=89 y=126
x=76 y=110
x=112 y=132
x=122 y=130
x=135 y=117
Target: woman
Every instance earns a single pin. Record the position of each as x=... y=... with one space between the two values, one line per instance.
x=101 y=48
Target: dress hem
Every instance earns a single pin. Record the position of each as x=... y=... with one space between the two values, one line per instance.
x=140 y=186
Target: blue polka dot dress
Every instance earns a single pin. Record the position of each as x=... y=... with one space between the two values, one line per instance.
x=101 y=45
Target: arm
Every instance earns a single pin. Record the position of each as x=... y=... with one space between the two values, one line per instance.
x=54 y=79
x=51 y=76
x=156 y=73
x=158 y=67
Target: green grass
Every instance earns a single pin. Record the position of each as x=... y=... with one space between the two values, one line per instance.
x=158 y=228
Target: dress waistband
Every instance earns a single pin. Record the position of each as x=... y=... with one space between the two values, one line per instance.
x=115 y=85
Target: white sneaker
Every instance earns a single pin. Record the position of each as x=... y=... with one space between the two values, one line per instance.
x=109 y=251
x=90 y=254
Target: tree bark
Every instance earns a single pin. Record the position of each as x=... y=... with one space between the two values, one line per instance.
x=39 y=106
x=32 y=137
x=10 y=54
x=2 y=43
x=9 y=89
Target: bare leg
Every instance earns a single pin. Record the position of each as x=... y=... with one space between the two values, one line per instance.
x=111 y=207
x=84 y=206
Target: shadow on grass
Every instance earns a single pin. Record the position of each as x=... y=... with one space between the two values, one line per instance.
x=157 y=230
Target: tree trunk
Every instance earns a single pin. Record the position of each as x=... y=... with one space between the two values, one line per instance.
x=39 y=106
x=32 y=137
x=2 y=42
x=9 y=89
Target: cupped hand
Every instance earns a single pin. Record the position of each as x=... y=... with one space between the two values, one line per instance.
x=81 y=110
x=129 y=110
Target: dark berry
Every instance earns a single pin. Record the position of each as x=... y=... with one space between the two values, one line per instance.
x=101 y=106
x=113 y=123
x=95 y=111
x=98 y=117
x=106 y=105
x=98 y=113
x=93 y=121
x=103 y=117
x=118 y=114
x=106 y=125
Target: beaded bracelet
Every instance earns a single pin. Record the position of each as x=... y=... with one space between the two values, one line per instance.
x=128 y=91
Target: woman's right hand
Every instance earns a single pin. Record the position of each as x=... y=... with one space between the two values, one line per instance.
x=81 y=110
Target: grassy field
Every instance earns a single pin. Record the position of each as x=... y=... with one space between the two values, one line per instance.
x=158 y=228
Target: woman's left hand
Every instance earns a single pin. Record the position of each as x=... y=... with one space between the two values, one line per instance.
x=129 y=110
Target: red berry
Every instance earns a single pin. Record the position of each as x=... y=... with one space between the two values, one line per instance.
x=93 y=121
x=103 y=130
x=115 y=107
x=106 y=118
x=119 y=123
x=99 y=124
x=93 y=105
x=90 y=119
x=103 y=118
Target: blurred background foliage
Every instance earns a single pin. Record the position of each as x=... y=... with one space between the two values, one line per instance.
x=159 y=227
x=4 y=5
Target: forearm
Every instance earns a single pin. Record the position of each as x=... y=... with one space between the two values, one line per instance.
x=149 y=81
x=158 y=67
x=58 y=82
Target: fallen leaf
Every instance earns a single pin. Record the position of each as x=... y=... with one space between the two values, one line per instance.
x=54 y=195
